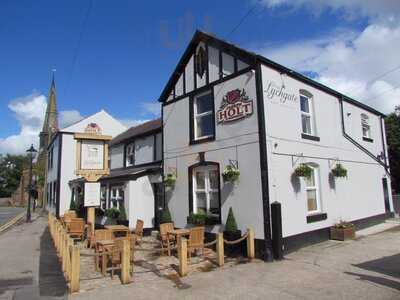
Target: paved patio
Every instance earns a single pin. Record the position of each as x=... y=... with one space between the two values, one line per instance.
x=366 y=268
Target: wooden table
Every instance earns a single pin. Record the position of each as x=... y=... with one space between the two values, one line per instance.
x=178 y=233
x=118 y=228
x=104 y=246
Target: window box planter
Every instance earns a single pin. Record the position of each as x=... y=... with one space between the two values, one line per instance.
x=343 y=232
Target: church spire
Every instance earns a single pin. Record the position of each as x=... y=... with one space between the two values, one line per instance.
x=50 y=124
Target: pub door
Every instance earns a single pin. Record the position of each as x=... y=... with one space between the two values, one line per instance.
x=158 y=189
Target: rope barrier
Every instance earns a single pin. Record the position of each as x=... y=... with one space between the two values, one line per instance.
x=210 y=243
x=236 y=241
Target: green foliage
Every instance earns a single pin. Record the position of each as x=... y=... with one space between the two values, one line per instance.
x=343 y=225
x=303 y=170
x=392 y=125
x=39 y=171
x=231 y=225
x=112 y=213
x=11 y=167
x=230 y=174
x=122 y=210
x=165 y=216
x=99 y=212
x=197 y=219
x=170 y=180
x=339 y=171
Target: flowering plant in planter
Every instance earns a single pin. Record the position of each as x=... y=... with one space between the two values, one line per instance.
x=339 y=171
x=170 y=180
x=230 y=174
x=342 y=231
x=303 y=170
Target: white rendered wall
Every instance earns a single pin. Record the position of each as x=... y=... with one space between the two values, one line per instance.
x=141 y=202
x=359 y=196
x=234 y=141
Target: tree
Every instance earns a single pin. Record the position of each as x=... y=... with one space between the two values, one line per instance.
x=11 y=167
x=392 y=124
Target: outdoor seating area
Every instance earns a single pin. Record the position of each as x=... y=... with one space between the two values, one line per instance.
x=92 y=259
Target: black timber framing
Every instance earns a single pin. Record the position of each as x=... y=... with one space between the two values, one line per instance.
x=250 y=58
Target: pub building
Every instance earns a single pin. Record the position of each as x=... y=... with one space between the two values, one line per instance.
x=225 y=108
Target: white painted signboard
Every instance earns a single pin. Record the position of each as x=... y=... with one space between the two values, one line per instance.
x=92 y=194
x=92 y=155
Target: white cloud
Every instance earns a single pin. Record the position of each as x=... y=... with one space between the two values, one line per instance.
x=30 y=111
x=350 y=62
x=153 y=108
x=386 y=11
x=132 y=122
x=68 y=117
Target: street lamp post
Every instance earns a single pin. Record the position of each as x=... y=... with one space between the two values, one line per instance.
x=31 y=152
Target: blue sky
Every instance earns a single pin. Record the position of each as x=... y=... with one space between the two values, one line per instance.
x=128 y=50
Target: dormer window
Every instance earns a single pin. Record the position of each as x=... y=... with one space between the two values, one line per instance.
x=130 y=154
x=366 y=127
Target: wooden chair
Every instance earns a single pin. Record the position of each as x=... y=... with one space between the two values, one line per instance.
x=196 y=240
x=100 y=235
x=115 y=257
x=76 y=228
x=138 y=232
x=166 y=240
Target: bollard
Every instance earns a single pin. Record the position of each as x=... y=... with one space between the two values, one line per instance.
x=125 y=262
x=75 y=269
x=250 y=243
x=183 y=257
x=277 y=239
x=220 y=249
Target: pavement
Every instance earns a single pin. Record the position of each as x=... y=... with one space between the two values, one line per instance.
x=7 y=213
x=29 y=268
x=365 y=268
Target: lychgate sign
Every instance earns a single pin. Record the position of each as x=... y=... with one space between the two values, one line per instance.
x=235 y=105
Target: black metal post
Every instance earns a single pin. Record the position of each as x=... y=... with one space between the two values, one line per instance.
x=31 y=152
x=28 y=213
x=277 y=239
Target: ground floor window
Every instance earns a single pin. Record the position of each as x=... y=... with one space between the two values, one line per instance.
x=206 y=190
x=312 y=191
x=116 y=196
x=103 y=197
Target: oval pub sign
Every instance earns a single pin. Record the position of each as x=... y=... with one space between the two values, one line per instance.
x=235 y=105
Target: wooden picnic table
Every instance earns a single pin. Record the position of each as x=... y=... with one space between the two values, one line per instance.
x=104 y=246
x=178 y=233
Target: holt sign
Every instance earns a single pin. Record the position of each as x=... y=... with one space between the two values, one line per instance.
x=235 y=105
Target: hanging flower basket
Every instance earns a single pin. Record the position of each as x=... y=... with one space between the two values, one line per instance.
x=169 y=180
x=230 y=174
x=339 y=171
x=303 y=170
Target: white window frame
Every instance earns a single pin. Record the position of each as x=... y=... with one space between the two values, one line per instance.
x=365 y=124
x=309 y=114
x=316 y=187
x=118 y=198
x=207 y=187
x=103 y=197
x=196 y=116
x=129 y=151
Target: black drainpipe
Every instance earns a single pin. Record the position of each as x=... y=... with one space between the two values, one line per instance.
x=268 y=256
